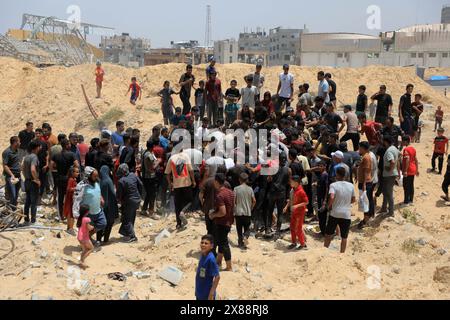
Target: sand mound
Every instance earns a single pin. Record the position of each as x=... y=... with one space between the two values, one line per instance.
x=54 y=94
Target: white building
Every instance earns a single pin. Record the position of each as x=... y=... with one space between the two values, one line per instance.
x=284 y=45
x=226 y=51
x=339 y=50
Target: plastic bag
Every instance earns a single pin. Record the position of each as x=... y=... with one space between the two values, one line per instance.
x=363 y=203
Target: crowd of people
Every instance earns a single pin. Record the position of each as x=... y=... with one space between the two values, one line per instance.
x=120 y=175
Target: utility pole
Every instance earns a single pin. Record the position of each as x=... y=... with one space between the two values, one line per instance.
x=208 y=26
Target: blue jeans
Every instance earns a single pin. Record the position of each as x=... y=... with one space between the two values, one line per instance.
x=32 y=191
x=98 y=221
x=13 y=191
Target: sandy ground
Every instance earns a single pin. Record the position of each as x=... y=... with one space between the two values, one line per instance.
x=405 y=257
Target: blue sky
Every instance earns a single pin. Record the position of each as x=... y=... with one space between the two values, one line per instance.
x=165 y=21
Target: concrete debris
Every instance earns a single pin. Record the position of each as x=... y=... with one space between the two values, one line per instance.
x=37 y=241
x=125 y=296
x=141 y=275
x=171 y=275
x=35 y=265
x=163 y=234
x=83 y=288
x=442 y=251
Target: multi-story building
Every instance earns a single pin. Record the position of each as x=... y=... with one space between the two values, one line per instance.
x=254 y=47
x=226 y=51
x=125 y=50
x=284 y=46
x=194 y=56
x=339 y=49
x=445 y=15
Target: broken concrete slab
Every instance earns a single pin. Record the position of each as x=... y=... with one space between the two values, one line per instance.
x=163 y=234
x=141 y=275
x=125 y=296
x=172 y=275
x=83 y=288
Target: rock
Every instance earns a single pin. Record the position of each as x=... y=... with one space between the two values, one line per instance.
x=125 y=296
x=26 y=274
x=9 y=274
x=58 y=235
x=421 y=242
x=44 y=255
x=442 y=275
x=37 y=241
x=247 y=268
x=171 y=275
x=141 y=275
x=129 y=273
x=396 y=269
x=441 y=251
x=35 y=265
x=152 y=289
x=35 y=296
x=46 y=272
x=61 y=274
x=83 y=288
x=134 y=260
x=269 y=288
x=163 y=234
x=387 y=244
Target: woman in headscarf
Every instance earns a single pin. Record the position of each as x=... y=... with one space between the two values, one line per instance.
x=129 y=190
x=92 y=197
x=110 y=207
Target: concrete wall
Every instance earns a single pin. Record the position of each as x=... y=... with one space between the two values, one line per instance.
x=339 y=60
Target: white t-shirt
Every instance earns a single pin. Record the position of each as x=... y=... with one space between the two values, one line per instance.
x=248 y=96
x=343 y=193
x=374 y=159
x=286 y=81
x=324 y=89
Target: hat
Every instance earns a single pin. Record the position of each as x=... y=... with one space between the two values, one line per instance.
x=338 y=154
x=88 y=171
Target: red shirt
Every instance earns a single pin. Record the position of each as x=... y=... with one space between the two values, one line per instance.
x=299 y=196
x=213 y=90
x=371 y=128
x=159 y=153
x=410 y=152
x=99 y=73
x=439 y=114
x=136 y=89
x=439 y=144
x=225 y=197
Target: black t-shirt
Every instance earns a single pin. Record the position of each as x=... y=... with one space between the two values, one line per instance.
x=261 y=114
x=333 y=120
x=334 y=87
x=25 y=139
x=361 y=103
x=42 y=155
x=233 y=93
x=186 y=89
x=384 y=101
x=405 y=102
x=297 y=169
x=90 y=158
x=103 y=159
x=64 y=160
x=395 y=132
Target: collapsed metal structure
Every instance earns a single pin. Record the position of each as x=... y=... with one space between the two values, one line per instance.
x=51 y=41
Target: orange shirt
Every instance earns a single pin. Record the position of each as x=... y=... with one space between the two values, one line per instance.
x=99 y=73
x=299 y=196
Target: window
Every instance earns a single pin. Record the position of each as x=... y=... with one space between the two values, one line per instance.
x=413 y=55
x=445 y=55
x=420 y=55
x=340 y=55
x=432 y=55
x=231 y=49
x=287 y=58
x=231 y=59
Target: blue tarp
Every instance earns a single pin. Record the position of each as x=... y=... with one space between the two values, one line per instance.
x=439 y=78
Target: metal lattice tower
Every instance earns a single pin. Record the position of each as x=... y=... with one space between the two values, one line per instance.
x=208 y=30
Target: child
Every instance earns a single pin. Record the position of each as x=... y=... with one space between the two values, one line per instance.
x=268 y=103
x=417 y=109
x=297 y=206
x=244 y=200
x=177 y=118
x=84 y=228
x=135 y=91
x=420 y=125
x=200 y=98
x=440 y=148
x=439 y=117
x=207 y=277
x=167 y=102
x=99 y=74
x=231 y=110
x=74 y=172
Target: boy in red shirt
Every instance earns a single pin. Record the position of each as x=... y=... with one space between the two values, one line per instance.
x=297 y=203
x=135 y=91
x=99 y=73
x=440 y=148
x=410 y=168
x=371 y=129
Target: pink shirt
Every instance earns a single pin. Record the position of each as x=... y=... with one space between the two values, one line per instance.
x=83 y=232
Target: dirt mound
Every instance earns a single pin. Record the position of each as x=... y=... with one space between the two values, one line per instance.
x=54 y=94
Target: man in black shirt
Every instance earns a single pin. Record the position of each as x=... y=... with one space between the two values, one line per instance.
x=90 y=156
x=392 y=130
x=333 y=88
x=44 y=161
x=62 y=162
x=25 y=136
x=103 y=158
x=361 y=101
x=332 y=120
x=384 y=105
x=405 y=111
x=11 y=170
x=187 y=81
